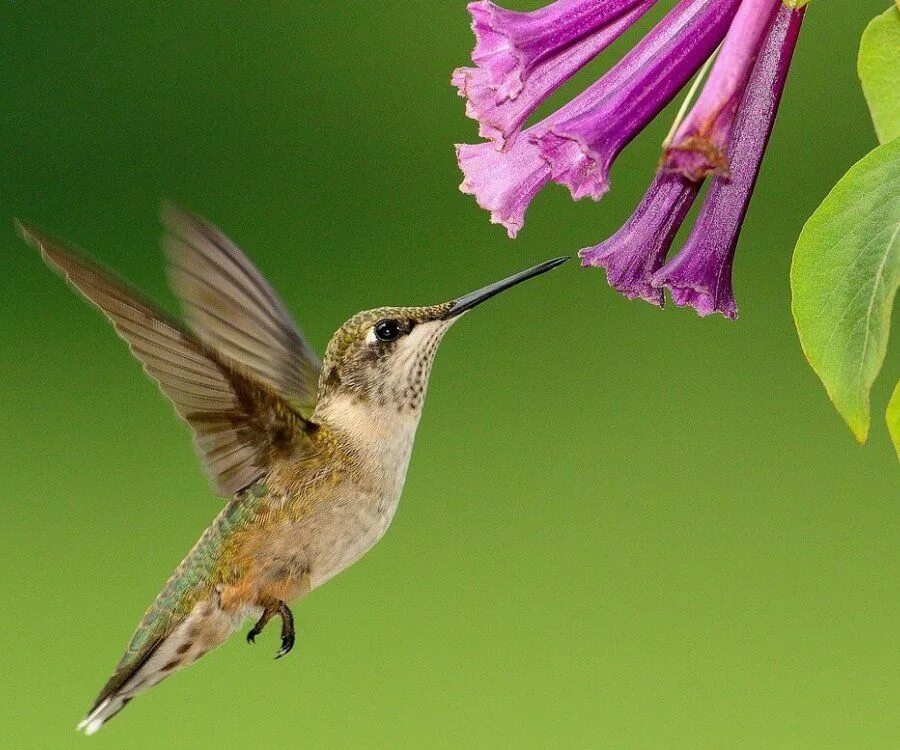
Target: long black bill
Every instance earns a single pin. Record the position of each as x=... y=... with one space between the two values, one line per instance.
x=469 y=301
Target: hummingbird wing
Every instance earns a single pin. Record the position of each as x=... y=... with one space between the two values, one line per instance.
x=231 y=307
x=239 y=422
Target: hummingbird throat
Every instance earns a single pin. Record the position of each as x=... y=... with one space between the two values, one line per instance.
x=391 y=377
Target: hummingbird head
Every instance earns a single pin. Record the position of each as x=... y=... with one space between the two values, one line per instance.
x=384 y=356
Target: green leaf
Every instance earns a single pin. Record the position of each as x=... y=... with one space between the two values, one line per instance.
x=893 y=418
x=844 y=275
x=879 y=70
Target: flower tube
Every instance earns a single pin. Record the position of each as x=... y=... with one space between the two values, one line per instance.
x=500 y=107
x=698 y=146
x=504 y=183
x=634 y=253
x=581 y=149
x=700 y=275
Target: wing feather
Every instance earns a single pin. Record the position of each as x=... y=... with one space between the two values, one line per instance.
x=231 y=307
x=239 y=423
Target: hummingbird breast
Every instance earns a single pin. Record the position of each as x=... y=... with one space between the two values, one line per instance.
x=331 y=523
x=348 y=529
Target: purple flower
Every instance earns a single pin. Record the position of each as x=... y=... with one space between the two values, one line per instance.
x=509 y=45
x=505 y=183
x=639 y=248
x=581 y=149
x=700 y=275
x=724 y=134
x=522 y=58
x=698 y=146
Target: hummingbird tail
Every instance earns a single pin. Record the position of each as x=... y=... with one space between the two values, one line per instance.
x=204 y=628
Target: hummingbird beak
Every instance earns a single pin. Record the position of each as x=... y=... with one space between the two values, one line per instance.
x=468 y=301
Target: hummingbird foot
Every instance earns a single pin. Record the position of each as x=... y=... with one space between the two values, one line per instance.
x=287 y=630
x=287 y=626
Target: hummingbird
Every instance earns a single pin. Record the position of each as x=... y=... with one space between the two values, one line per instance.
x=311 y=456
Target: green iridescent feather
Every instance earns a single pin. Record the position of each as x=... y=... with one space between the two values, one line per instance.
x=193 y=580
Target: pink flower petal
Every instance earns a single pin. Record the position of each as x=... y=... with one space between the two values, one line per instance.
x=487 y=88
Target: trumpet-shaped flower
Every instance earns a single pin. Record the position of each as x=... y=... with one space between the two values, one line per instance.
x=700 y=275
x=509 y=45
x=634 y=253
x=505 y=183
x=724 y=134
x=699 y=144
x=522 y=58
x=581 y=149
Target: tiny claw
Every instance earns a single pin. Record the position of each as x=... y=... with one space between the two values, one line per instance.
x=287 y=643
x=261 y=624
x=287 y=630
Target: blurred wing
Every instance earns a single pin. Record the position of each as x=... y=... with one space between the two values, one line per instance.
x=239 y=424
x=231 y=307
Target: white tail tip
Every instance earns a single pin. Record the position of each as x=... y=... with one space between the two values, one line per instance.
x=95 y=719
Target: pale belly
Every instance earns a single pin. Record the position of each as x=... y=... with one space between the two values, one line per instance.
x=356 y=513
x=342 y=533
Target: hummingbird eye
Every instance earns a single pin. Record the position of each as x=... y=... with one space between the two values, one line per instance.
x=387 y=330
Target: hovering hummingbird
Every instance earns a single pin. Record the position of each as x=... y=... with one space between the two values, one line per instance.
x=312 y=457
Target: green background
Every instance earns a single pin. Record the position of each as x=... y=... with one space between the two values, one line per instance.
x=622 y=528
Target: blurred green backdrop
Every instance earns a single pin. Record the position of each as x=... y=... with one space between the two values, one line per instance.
x=622 y=528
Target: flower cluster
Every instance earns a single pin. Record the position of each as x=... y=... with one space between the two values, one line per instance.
x=521 y=58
